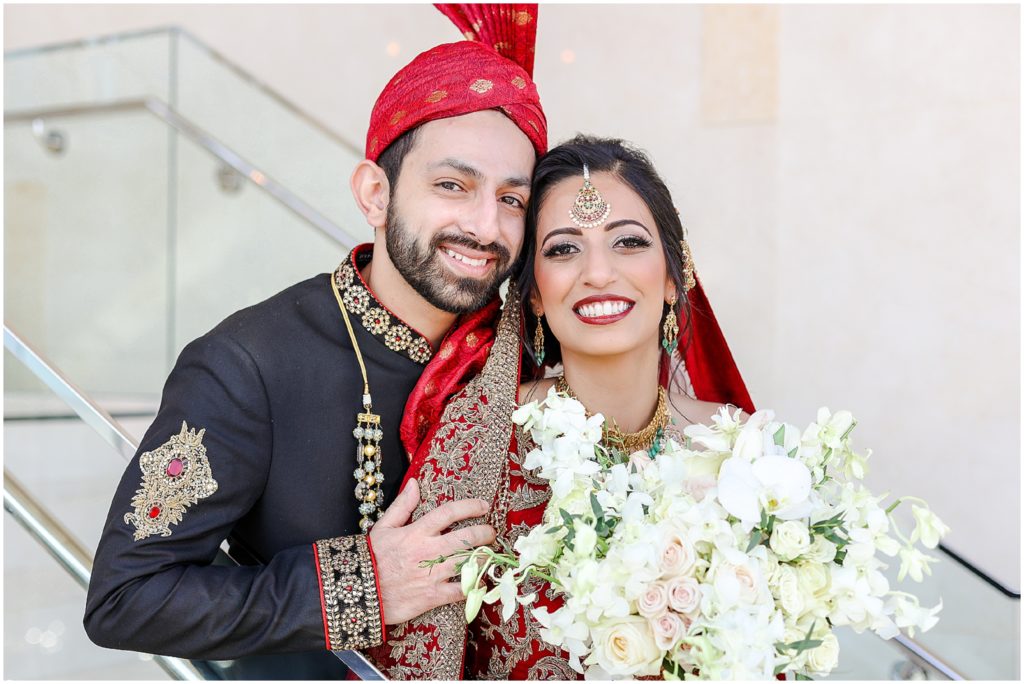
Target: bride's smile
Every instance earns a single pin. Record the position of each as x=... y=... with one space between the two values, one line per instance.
x=603 y=309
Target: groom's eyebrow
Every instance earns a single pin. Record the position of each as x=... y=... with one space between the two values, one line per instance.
x=475 y=173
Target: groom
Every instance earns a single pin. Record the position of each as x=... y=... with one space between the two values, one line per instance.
x=279 y=430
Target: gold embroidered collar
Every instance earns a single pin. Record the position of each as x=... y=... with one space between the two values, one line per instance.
x=374 y=316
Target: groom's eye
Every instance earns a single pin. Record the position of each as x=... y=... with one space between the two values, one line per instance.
x=513 y=202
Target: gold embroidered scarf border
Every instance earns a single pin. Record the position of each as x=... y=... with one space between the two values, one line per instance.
x=467 y=457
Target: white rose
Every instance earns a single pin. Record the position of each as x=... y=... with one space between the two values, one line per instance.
x=683 y=594
x=791 y=597
x=813 y=577
x=625 y=646
x=668 y=629
x=821 y=550
x=823 y=659
x=677 y=555
x=653 y=601
x=790 y=539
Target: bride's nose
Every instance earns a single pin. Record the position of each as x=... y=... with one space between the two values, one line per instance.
x=598 y=269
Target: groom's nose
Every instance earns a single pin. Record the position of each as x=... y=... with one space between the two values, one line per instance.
x=481 y=220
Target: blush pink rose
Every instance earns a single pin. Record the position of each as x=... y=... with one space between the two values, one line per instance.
x=640 y=460
x=677 y=556
x=684 y=595
x=699 y=485
x=653 y=601
x=668 y=628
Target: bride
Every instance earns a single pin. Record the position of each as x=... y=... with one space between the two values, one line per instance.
x=609 y=312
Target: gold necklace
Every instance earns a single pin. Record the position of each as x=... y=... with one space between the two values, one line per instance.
x=368 y=473
x=629 y=442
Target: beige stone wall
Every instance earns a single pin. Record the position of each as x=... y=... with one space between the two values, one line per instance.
x=849 y=175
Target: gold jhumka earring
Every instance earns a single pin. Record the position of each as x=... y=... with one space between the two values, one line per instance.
x=670 y=329
x=538 y=341
x=589 y=210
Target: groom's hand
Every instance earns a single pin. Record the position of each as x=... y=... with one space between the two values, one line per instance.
x=408 y=590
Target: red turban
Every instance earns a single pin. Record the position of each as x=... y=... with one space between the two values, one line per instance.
x=465 y=77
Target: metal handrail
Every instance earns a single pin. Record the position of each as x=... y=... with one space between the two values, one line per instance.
x=925 y=657
x=51 y=535
x=204 y=139
x=89 y=411
x=71 y=555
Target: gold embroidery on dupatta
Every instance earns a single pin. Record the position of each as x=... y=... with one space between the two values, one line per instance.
x=466 y=460
x=535 y=490
x=517 y=649
x=552 y=668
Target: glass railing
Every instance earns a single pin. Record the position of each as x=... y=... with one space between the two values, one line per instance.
x=304 y=154
x=138 y=213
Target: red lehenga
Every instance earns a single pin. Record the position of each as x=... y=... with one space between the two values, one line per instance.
x=467 y=448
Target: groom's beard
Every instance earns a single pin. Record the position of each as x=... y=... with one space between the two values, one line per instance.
x=422 y=268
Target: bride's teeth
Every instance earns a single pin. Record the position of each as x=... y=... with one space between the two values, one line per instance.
x=605 y=308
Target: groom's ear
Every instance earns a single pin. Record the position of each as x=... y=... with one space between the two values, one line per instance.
x=372 y=192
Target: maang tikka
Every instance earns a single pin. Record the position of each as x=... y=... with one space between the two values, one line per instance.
x=589 y=210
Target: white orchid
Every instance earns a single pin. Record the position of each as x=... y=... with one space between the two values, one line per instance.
x=914 y=563
x=779 y=485
x=929 y=529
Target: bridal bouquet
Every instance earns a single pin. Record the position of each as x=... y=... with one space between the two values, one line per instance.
x=730 y=556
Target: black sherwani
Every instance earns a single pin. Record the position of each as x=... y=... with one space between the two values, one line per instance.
x=276 y=388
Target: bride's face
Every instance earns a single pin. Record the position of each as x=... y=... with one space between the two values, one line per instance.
x=602 y=289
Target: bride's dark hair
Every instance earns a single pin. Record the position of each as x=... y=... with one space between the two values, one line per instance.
x=632 y=167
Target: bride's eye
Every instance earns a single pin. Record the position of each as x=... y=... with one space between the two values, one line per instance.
x=633 y=242
x=560 y=249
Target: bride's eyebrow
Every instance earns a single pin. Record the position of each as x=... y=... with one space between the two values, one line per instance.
x=625 y=222
x=560 y=231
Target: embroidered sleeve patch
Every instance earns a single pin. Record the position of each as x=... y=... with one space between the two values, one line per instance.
x=174 y=476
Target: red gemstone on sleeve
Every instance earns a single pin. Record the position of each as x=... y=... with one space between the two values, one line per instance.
x=175 y=467
x=154 y=511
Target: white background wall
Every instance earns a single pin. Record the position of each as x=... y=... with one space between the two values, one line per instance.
x=849 y=175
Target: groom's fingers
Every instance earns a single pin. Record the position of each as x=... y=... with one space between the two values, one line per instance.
x=466 y=538
x=407 y=588
x=448 y=592
x=400 y=510
x=445 y=515
x=445 y=570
